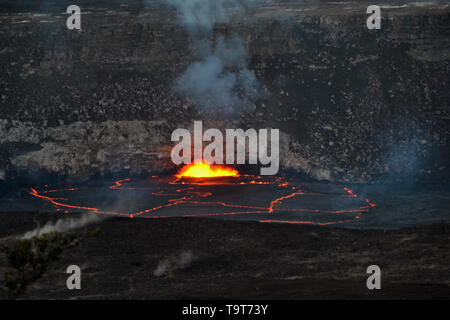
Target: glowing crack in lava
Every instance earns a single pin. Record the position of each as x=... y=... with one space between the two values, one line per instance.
x=202 y=190
x=205 y=170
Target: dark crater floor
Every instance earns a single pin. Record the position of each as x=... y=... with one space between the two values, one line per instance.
x=211 y=258
x=250 y=198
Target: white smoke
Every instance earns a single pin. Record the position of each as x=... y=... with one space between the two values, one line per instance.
x=203 y=15
x=64 y=225
x=220 y=80
x=214 y=81
x=183 y=260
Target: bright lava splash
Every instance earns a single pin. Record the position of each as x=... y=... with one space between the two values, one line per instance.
x=203 y=190
x=205 y=170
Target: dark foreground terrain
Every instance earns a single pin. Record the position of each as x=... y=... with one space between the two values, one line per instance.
x=210 y=259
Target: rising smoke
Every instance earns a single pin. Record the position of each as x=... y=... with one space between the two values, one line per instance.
x=180 y=261
x=64 y=225
x=220 y=80
x=200 y=16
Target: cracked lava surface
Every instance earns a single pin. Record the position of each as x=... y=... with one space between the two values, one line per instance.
x=212 y=192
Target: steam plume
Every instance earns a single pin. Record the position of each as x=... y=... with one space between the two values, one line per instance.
x=220 y=80
x=183 y=260
x=64 y=225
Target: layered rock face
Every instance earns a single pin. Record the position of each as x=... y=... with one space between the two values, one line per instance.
x=353 y=105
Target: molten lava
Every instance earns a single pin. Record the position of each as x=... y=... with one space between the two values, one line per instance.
x=205 y=170
x=280 y=200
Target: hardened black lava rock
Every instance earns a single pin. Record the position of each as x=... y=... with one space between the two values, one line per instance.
x=353 y=105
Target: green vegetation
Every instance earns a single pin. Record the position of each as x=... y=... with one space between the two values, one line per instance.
x=29 y=259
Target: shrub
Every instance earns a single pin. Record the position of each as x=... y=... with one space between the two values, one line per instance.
x=30 y=258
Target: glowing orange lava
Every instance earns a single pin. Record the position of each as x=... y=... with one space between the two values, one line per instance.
x=187 y=193
x=205 y=170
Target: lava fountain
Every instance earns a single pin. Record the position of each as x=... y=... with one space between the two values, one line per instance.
x=206 y=170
